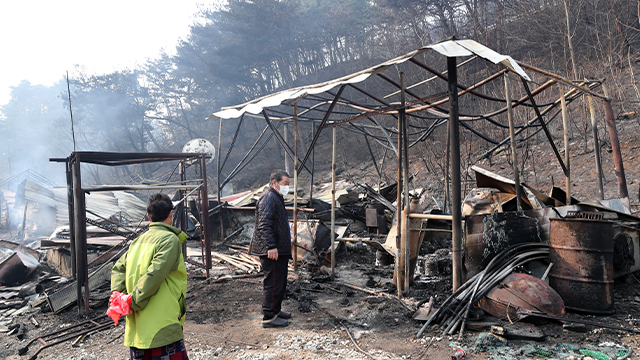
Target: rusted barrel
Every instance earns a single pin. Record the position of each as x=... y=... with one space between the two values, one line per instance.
x=582 y=253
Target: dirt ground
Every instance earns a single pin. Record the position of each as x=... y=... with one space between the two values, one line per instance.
x=223 y=322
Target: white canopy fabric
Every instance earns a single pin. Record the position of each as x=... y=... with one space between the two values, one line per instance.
x=449 y=48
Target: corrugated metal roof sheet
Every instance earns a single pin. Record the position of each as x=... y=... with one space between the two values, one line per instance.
x=104 y=204
x=449 y=48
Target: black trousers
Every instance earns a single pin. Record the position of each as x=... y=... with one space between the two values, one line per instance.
x=274 y=284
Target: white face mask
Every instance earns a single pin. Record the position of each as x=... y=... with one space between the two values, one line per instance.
x=284 y=189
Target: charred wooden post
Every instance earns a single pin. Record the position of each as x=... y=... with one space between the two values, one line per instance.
x=615 y=146
x=333 y=204
x=596 y=145
x=295 y=188
x=514 y=155
x=567 y=158
x=456 y=201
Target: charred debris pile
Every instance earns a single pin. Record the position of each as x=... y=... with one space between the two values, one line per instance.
x=549 y=253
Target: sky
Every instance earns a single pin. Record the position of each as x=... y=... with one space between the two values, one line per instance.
x=41 y=40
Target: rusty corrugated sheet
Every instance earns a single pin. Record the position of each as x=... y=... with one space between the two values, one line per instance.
x=519 y=292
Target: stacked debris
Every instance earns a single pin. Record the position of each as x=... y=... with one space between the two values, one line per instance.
x=535 y=262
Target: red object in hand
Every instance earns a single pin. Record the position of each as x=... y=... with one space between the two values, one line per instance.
x=458 y=355
x=119 y=304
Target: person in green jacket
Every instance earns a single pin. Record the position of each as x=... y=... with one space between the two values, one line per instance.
x=153 y=272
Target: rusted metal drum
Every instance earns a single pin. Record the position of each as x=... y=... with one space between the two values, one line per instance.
x=582 y=253
x=486 y=235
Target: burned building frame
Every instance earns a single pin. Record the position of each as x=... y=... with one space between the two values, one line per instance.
x=344 y=101
x=77 y=207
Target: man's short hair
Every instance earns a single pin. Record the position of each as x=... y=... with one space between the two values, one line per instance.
x=159 y=207
x=277 y=175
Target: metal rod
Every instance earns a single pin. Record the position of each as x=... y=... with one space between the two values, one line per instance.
x=432 y=216
x=287 y=161
x=398 y=262
x=233 y=142
x=333 y=204
x=79 y=211
x=138 y=187
x=313 y=166
x=544 y=125
x=514 y=155
x=560 y=79
x=596 y=145
x=73 y=133
x=220 y=220
x=456 y=206
x=183 y=215
x=322 y=123
x=447 y=167
x=375 y=163
x=567 y=158
x=405 y=168
x=24 y=219
x=295 y=187
x=72 y=235
x=279 y=139
x=615 y=146
x=204 y=214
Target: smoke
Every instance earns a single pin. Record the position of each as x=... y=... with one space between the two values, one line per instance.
x=30 y=132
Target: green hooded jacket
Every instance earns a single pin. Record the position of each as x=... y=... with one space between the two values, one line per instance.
x=153 y=272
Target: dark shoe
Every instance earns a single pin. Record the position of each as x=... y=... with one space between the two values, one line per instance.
x=284 y=315
x=276 y=322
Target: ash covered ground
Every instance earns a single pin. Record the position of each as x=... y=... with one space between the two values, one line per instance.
x=223 y=320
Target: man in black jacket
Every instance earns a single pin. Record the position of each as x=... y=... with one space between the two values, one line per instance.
x=272 y=243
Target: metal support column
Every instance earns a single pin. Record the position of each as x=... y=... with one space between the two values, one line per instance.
x=183 y=215
x=615 y=146
x=80 y=229
x=514 y=155
x=596 y=145
x=567 y=158
x=204 y=212
x=333 y=204
x=287 y=161
x=398 y=263
x=72 y=235
x=405 y=180
x=456 y=206
x=220 y=219
x=295 y=188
